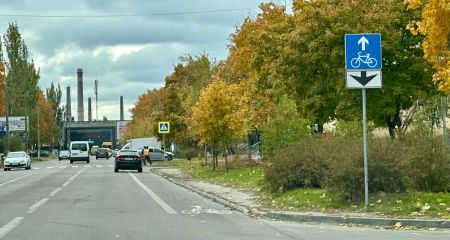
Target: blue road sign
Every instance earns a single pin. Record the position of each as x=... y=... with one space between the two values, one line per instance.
x=363 y=51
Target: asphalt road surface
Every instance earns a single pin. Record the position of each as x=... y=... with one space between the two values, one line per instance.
x=57 y=200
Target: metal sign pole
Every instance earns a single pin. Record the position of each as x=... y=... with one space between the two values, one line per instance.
x=366 y=174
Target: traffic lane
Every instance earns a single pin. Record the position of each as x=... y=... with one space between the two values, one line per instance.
x=101 y=204
x=17 y=196
x=178 y=198
x=14 y=173
x=98 y=204
x=201 y=218
x=333 y=232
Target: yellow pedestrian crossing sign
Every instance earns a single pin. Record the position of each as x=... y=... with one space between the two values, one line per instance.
x=163 y=127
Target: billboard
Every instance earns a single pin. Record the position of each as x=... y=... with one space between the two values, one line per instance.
x=16 y=124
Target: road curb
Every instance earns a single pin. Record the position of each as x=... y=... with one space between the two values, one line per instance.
x=301 y=217
x=213 y=197
x=307 y=217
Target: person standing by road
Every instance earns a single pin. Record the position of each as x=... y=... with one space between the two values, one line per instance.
x=147 y=156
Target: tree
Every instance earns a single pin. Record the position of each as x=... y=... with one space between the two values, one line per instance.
x=435 y=25
x=218 y=118
x=47 y=123
x=184 y=85
x=311 y=62
x=53 y=95
x=284 y=127
x=22 y=77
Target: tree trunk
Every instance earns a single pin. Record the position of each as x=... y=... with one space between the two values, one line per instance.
x=394 y=121
x=226 y=160
x=206 y=156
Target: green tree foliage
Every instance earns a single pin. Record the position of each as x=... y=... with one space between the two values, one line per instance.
x=22 y=77
x=315 y=55
x=284 y=127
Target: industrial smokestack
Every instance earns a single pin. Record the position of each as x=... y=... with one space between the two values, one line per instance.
x=68 y=105
x=121 y=108
x=80 y=94
x=89 y=110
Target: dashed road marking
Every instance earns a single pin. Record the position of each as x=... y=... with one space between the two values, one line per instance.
x=52 y=194
x=99 y=166
x=50 y=167
x=74 y=166
x=9 y=226
x=87 y=166
x=110 y=165
x=63 y=167
x=37 y=168
x=15 y=179
x=37 y=205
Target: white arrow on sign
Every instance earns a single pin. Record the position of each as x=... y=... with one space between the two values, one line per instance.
x=363 y=41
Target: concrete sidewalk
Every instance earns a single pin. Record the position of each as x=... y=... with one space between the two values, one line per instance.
x=246 y=203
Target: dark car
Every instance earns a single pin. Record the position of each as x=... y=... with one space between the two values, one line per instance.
x=102 y=153
x=44 y=153
x=128 y=160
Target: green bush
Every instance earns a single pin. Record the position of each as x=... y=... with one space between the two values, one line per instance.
x=297 y=166
x=428 y=166
x=189 y=154
x=284 y=127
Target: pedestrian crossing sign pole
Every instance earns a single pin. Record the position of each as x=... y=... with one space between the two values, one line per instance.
x=164 y=128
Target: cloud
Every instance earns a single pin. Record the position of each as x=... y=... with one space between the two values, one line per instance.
x=128 y=55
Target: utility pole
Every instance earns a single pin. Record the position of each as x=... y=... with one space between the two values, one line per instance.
x=96 y=99
x=38 y=130
x=7 y=115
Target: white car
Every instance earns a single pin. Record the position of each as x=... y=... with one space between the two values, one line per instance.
x=17 y=160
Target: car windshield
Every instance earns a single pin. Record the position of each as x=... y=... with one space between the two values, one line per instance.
x=79 y=146
x=16 y=155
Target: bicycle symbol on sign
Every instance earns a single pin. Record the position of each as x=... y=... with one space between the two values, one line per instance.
x=363 y=58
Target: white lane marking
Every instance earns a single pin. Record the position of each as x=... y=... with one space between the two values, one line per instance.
x=87 y=166
x=37 y=205
x=50 y=167
x=15 y=179
x=99 y=166
x=73 y=177
x=37 y=168
x=52 y=194
x=65 y=184
x=155 y=197
x=110 y=166
x=74 y=166
x=9 y=226
x=63 y=167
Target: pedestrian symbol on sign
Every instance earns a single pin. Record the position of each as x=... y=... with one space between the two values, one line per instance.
x=163 y=127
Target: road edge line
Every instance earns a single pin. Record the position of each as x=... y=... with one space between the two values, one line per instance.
x=155 y=197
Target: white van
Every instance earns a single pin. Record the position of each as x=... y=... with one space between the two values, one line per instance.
x=79 y=151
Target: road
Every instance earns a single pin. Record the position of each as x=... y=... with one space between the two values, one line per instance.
x=57 y=200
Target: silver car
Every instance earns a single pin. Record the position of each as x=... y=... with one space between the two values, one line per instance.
x=158 y=154
x=17 y=160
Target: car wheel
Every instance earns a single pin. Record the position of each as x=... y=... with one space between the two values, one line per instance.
x=139 y=169
x=5 y=169
x=116 y=169
x=166 y=158
x=71 y=162
x=96 y=158
x=87 y=161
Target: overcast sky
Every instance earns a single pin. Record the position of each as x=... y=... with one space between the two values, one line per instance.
x=127 y=54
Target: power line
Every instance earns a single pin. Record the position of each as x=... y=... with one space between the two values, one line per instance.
x=127 y=15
